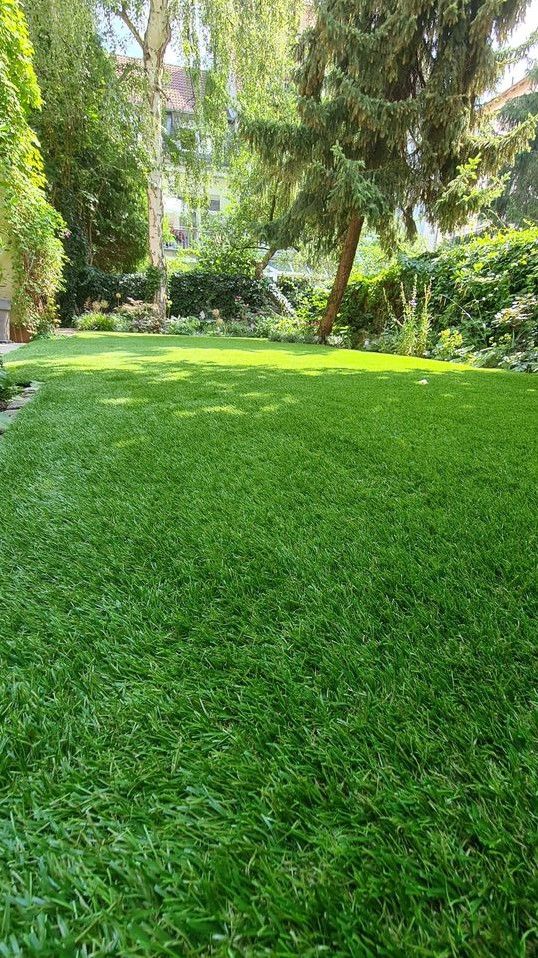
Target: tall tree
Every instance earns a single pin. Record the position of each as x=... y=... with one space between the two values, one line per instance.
x=29 y=226
x=152 y=30
x=234 y=37
x=387 y=99
x=89 y=130
x=518 y=203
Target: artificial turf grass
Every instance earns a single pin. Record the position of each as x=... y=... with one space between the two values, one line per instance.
x=269 y=659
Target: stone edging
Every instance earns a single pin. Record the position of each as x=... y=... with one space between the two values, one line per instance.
x=15 y=405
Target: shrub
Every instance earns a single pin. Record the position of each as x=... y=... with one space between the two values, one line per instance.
x=411 y=329
x=448 y=343
x=258 y=327
x=98 y=322
x=195 y=293
x=366 y=301
x=140 y=317
x=7 y=386
x=225 y=247
x=474 y=280
x=291 y=330
x=521 y=361
x=87 y=285
x=519 y=320
x=237 y=328
x=514 y=337
x=471 y=281
x=296 y=289
x=183 y=326
x=264 y=325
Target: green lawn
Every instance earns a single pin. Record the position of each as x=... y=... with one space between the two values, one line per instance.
x=267 y=654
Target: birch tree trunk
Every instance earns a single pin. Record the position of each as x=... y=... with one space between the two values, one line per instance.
x=156 y=40
x=154 y=43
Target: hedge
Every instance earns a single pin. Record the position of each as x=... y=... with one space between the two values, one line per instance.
x=189 y=293
x=471 y=281
x=193 y=293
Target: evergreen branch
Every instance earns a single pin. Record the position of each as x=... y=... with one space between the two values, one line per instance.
x=509 y=55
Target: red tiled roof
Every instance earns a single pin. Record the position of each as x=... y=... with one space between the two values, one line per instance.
x=521 y=88
x=180 y=93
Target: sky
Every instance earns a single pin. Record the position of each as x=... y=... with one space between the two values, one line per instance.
x=512 y=75
x=519 y=36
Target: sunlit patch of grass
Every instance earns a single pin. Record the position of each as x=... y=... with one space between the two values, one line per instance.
x=268 y=654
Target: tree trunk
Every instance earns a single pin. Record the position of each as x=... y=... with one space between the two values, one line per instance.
x=347 y=255
x=264 y=261
x=156 y=40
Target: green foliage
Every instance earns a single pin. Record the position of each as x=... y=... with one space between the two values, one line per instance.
x=236 y=297
x=387 y=118
x=470 y=282
x=29 y=227
x=518 y=203
x=7 y=385
x=514 y=338
x=271 y=632
x=473 y=280
x=99 y=322
x=95 y=285
x=448 y=343
x=137 y=316
x=412 y=329
x=183 y=326
x=194 y=293
x=89 y=130
x=290 y=329
x=225 y=247
x=295 y=288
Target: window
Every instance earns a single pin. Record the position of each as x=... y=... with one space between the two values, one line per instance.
x=214 y=205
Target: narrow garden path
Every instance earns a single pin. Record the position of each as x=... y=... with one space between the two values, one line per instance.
x=6 y=348
x=268 y=653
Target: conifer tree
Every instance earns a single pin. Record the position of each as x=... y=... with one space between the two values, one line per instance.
x=518 y=204
x=389 y=122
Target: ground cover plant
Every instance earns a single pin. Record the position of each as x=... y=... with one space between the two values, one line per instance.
x=268 y=653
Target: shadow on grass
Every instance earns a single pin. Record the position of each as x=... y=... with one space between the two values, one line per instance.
x=129 y=350
x=194 y=376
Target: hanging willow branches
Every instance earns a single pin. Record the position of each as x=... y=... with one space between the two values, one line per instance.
x=234 y=49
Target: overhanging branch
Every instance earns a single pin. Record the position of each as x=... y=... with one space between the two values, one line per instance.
x=130 y=24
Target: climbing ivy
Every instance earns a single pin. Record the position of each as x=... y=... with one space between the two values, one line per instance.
x=29 y=226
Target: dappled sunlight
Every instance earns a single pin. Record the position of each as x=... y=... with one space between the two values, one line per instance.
x=123 y=401
x=88 y=352
x=130 y=442
x=183 y=377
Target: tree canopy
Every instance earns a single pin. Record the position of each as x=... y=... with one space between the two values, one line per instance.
x=518 y=203
x=89 y=129
x=389 y=121
x=226 y=45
